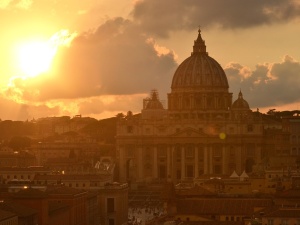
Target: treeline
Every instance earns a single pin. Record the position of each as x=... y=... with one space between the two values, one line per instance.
x=281 y=114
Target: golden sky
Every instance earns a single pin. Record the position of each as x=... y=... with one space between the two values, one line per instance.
x=98 y=57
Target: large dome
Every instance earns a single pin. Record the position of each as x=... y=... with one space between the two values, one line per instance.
x=199 y=87
x=199 y=71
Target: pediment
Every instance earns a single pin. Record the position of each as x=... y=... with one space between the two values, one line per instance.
x=189 y=132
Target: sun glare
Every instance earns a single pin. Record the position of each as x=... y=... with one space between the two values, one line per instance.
x=35 y=58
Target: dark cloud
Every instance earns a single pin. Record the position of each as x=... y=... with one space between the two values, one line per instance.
x=269 y=84
x=161 y=17
x=115 y=59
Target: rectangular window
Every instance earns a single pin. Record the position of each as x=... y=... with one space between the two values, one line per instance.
x=189 y=171
x=110 y=205
x=217 y=169
x=162 y=172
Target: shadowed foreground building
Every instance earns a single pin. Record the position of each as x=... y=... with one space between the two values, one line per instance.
x=202 y=132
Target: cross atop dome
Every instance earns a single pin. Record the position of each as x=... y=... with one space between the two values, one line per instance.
x=199 y=44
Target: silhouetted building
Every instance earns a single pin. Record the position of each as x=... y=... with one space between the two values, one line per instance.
x=202 y=132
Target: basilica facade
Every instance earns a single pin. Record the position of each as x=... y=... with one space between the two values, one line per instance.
x=202 y=132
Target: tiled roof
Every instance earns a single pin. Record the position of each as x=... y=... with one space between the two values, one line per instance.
x=30 y=193
x=72 y=177
x=24 y=169
x=283 y=213
x=54 y=206
x=292 y=193
x=63 y=190
x=180 y=222
x=6 y=215
x=20 y=210
x=195 y=191
x=223 y=206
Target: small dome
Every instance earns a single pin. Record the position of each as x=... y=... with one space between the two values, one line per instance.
x=199 y=71
x=240 y=103
x=153 y=102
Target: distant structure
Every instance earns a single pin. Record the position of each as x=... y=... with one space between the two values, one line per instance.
x=202 y=132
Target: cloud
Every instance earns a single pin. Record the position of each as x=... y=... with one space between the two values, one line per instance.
x=12 y=4
x=114 y=59
x=161 y=17
x=12 y=110
x=269 y=84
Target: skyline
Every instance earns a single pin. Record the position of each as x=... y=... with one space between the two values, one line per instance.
x=100 y=58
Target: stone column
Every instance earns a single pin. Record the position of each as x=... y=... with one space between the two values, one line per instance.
x=205 y=162
x=122 y=164
x=180 y=101
x=182 y=163
x=210 y=160
x=196 y=174
x=173 y=164
x=155 y=174
x=238 y=153
x=169 y=165
x=140 y=164
x=224 y=160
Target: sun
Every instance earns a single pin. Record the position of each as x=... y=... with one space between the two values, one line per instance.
x=35 y=57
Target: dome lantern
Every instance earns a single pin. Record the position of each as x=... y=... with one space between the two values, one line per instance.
x=199 y=44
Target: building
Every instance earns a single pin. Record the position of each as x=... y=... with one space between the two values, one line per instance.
x=25 y=214
x=113 y=201
x=8 y=218
x=21 y=174
x=203 y=131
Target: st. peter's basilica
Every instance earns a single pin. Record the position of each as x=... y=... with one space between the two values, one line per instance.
x=202 y=132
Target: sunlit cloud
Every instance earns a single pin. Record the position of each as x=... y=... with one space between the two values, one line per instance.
x=5 y=3
x=21 y=4
x=269 y=84
x=24 y=4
